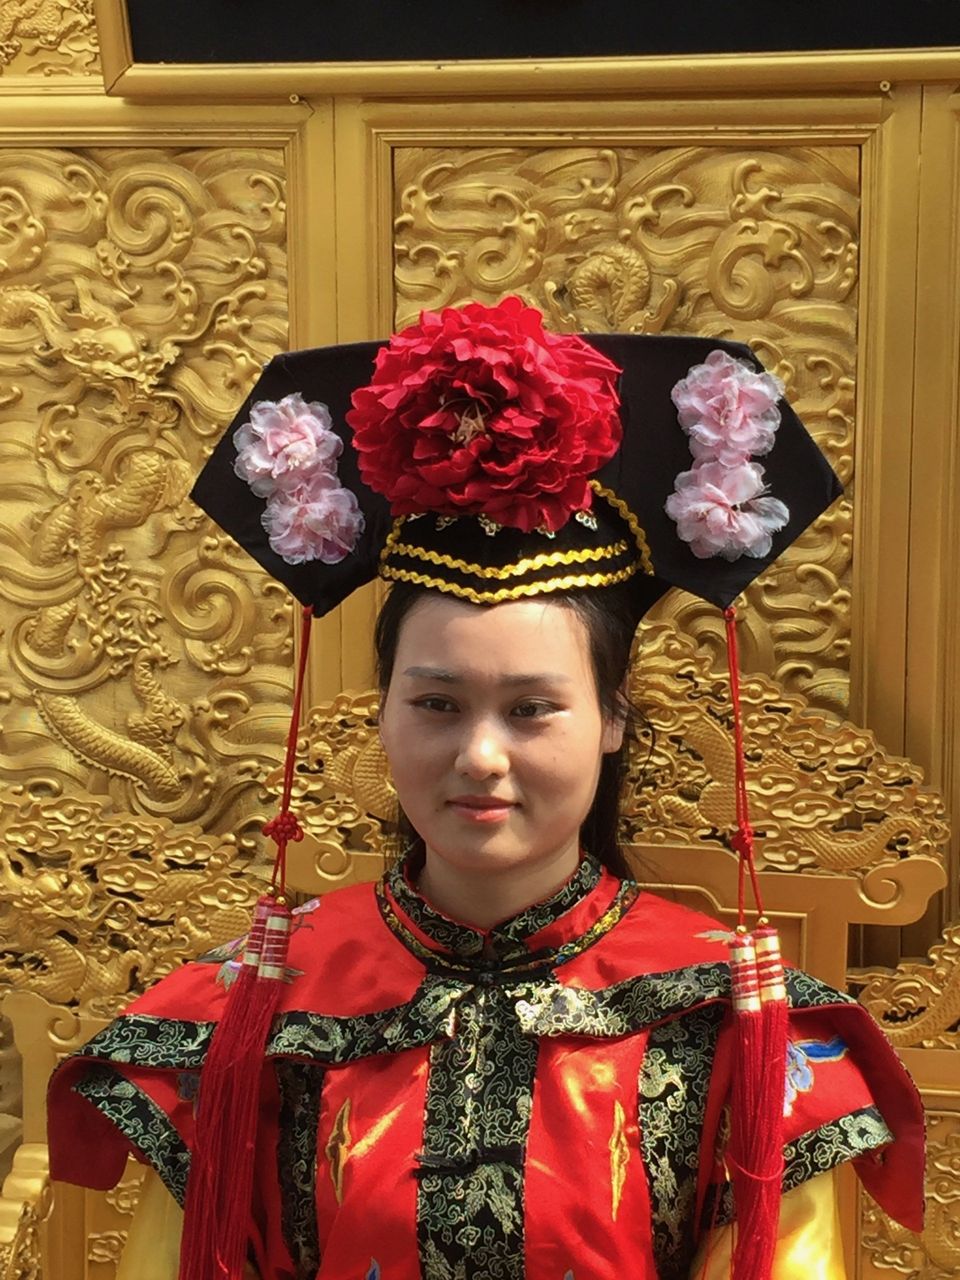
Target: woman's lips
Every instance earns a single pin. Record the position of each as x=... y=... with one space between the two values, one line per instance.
x=481 y=808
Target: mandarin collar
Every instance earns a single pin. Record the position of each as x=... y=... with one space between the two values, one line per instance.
x=510 y=939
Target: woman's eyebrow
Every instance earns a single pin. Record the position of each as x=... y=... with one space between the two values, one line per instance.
x=451 y=677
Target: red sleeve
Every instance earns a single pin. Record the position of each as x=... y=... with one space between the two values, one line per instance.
x=847 y=1097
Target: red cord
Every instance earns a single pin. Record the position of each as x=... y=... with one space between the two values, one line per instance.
x=743 y=837
x=284 y=827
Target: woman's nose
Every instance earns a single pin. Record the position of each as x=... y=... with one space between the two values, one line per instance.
x=482 y=752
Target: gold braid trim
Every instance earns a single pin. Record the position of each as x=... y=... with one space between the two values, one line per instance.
x=545 y=560
x=393 y=537
x=633 y=523
x=567 y=583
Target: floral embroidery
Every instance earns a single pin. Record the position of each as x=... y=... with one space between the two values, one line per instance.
x=800 y=1055
x=188 y=1085
x=288 y=453
x=730 y=413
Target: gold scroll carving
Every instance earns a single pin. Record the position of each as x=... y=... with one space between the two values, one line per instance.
x=889 y=1249
x=95 y=905
x=918 y=1003
x=48 y=38
x=825 y=798
x=702 y=240
x=146 y=660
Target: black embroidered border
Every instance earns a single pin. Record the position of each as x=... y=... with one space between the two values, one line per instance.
x=818 y=1151
x=151 y=1042
x=673 y=1086
x=428 y=1016
x=141 y=1120
x=299 y=1084
x=542 y=1006
x=464 y=941
x=470 y=1206
x=525 y=963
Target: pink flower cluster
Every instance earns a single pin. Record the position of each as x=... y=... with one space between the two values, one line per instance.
x=730 y=413
x=287 y=453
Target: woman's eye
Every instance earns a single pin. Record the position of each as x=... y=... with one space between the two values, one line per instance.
x=531 y=710
x=435 y=703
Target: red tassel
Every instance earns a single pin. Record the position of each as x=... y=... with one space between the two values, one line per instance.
x=755 y=1154
x=217 y=1213
x=220 y=1187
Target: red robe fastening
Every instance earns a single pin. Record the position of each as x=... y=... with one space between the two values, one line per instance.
x=540 y=1101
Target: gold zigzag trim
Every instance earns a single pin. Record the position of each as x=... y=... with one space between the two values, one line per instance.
x=545 y=560
x=568 y=582
x=634 y=525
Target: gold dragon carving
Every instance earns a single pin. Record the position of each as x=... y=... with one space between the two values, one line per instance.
x=95 y=905
x=691 y=239
x=140 y=293
x=918 y=1003
x=48 y=38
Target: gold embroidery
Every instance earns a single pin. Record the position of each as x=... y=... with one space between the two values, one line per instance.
x=522 y=589
x=633 y=523
x=337 y=1149
x=619 y=1157
x=545 y=560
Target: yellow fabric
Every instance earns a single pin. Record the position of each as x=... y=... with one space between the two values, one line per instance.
x=152 y=1251
x=809 y=1246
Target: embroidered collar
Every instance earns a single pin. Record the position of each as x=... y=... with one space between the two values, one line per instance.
x=531 y=929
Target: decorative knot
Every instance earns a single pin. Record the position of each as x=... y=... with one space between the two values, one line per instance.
x=284 y=827
x=742 y=841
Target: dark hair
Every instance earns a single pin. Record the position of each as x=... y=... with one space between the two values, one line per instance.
x=610 y=618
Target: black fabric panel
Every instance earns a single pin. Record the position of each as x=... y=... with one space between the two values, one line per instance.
x=223 y=31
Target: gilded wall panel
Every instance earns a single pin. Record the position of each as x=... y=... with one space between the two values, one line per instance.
x=683 y=239
x=141 y=290
x=46 y=39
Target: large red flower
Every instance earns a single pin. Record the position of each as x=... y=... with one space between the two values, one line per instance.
x=480 y=411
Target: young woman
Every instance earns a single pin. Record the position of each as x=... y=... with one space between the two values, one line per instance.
x=504 y=1061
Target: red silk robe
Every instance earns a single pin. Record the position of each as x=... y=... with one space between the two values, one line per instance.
x=544 y=1100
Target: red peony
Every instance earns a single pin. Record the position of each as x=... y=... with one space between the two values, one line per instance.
x=480 y=411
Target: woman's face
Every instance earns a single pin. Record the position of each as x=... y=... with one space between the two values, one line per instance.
x=494 y=733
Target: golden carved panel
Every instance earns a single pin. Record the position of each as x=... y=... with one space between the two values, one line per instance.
x=96 y=905
x=918 y=1003
x=684 y=239
x=144 y=658
x=48 y=38
x=888 y=1249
